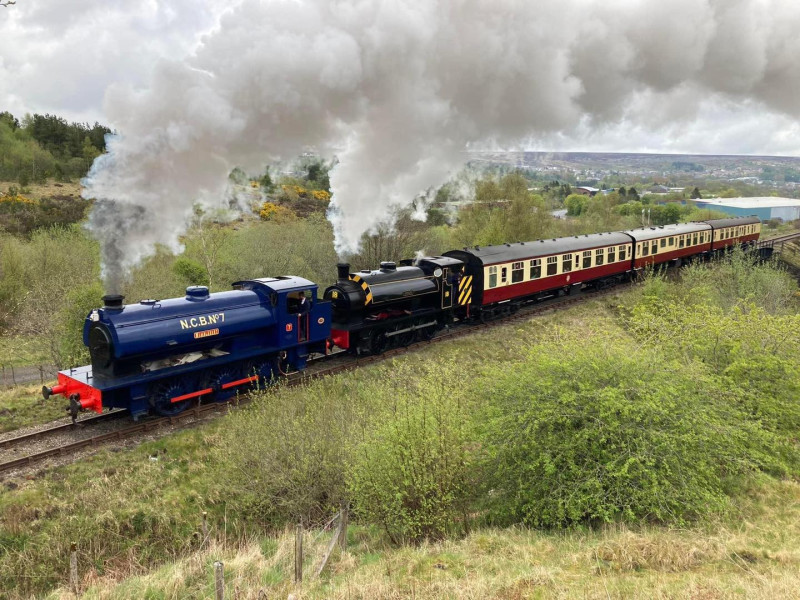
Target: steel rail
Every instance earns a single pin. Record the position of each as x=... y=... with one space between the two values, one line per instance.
x=34 y=435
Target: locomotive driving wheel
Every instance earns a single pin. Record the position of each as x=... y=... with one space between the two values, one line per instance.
x=161 y=395
x=378 y=342
x=406 y=338
x=426 y=333
x=219 y=377
x=267 y=372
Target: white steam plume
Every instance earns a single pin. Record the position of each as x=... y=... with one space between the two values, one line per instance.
x=397 y=89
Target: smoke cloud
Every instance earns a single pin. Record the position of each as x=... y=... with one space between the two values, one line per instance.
x=399 y=89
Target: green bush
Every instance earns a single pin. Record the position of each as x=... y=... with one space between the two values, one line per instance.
x=286 y=458
x=69 y=350
x=411 y=473
x=193 y=272
x=577 y=435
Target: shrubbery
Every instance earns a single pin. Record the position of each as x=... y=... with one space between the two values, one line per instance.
x=412 y=470
x=580 y=435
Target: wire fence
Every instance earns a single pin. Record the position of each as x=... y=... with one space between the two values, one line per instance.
x=11 y=375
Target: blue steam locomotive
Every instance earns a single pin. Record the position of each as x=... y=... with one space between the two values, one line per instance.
x=159 y=356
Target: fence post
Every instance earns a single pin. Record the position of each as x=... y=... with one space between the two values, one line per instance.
x=298 y=553
x=343 y=527
x=73 y=568
x=219 y=580
x=204 y=527
x=41 y=374
x=13 y=377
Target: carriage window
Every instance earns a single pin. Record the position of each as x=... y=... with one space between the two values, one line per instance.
x=503 y=274
x=536 y=268
x=566 y=263
x=654 y=249
x=517 y=272
x=645 y=249
x=587 y=259
x=612 y=254
x=598 y=256
x=694 y=240
x=622 y=252
x=577 y=261
x=552 y=265
x=680 y=241
x=663 y=242
x=492 y=277
x=672 y=241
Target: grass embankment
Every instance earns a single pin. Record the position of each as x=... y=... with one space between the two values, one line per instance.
x=48 y=189
x=22 y=404
x=651 y=436
x=752 y=556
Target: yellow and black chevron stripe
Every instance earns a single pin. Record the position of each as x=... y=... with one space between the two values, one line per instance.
x=364 y=286
x=465 y=290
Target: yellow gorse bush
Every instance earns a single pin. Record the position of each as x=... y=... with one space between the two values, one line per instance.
x=275 y=212
x=17 y=198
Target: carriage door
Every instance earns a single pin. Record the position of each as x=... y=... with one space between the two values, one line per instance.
x=447 y=289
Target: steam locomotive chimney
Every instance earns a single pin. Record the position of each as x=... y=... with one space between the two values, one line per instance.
x=113 y=301
x=343 y=271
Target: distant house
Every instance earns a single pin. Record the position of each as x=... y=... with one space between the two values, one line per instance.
x=585 y=190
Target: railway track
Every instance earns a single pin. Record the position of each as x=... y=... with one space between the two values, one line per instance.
x=317 y=369
x=63 y=427
x=789 y=237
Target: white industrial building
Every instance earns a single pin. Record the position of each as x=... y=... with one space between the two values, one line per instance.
x=765 y=208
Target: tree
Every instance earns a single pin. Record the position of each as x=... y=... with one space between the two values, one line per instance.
x=696 y=194
x=576 y=204
x=632 y=193
x=9 y=119
x=672 y=212
x=621 y=191
x=266 y=182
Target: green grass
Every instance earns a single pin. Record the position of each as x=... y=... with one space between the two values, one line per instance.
x=21 y=351
x=23 y=405
x=752 y=555
x=134 y=512
x=133 y=509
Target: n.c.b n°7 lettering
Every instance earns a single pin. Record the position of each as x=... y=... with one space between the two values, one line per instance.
x=203 y=321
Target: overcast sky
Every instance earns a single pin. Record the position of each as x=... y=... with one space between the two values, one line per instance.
x=60 y=57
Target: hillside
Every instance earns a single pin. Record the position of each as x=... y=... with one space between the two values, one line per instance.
x=643 y=445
